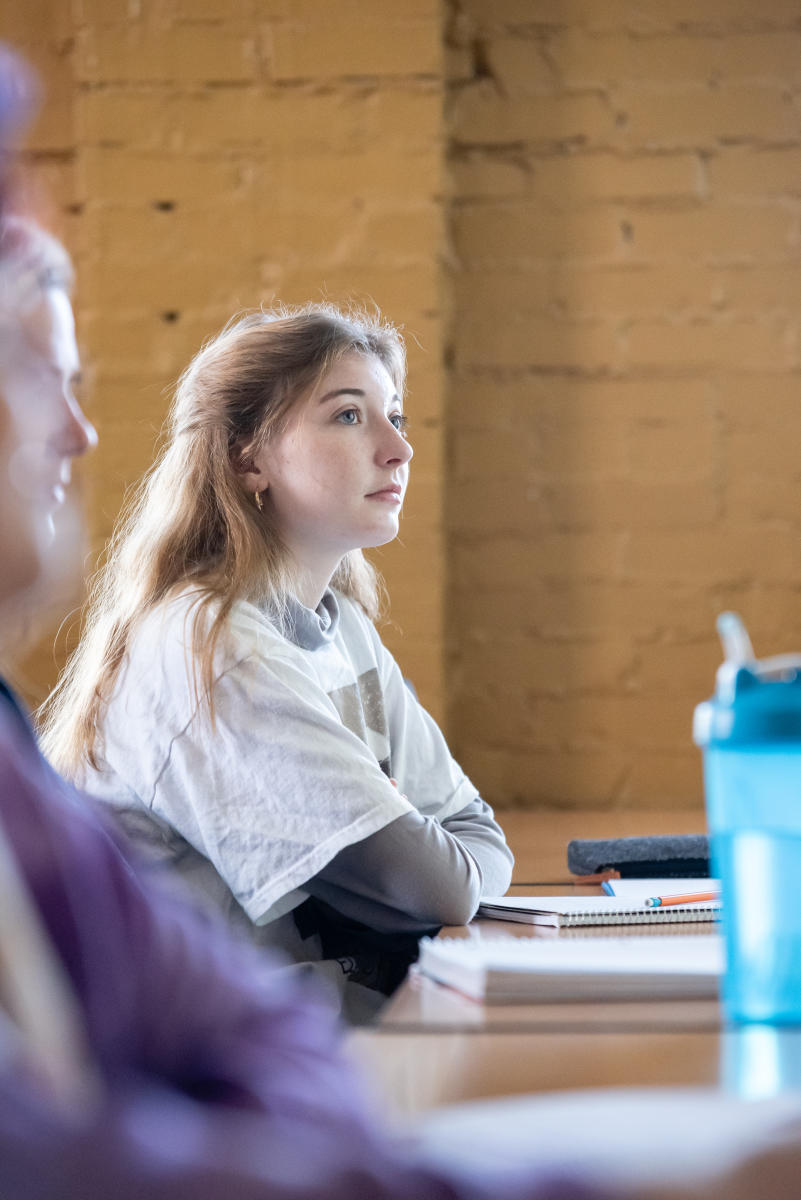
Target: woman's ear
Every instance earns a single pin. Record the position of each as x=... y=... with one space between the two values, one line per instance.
x=243 y=462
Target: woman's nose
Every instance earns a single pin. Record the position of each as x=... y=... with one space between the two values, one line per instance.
x=398 y=448
x=78 y=434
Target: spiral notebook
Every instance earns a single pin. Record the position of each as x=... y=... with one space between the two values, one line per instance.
x=521 y=970
x=566 y=911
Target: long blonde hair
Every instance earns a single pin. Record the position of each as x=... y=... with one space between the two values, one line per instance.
x=191 y=523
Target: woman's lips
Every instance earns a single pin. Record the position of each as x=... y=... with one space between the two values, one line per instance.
x=390 y=495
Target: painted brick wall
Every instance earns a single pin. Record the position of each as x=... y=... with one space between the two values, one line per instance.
x=587 y=213
x=209 y=155
x=624 y=407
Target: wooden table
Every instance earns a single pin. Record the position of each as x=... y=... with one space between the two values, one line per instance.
x=433 y=1046
x=669 y=1118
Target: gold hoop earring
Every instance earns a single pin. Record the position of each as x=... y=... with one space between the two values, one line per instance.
x=259 y=501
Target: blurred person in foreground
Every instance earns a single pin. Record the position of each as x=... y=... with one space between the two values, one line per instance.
x=143 y=1052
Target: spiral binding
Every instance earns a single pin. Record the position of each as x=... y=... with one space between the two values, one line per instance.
x=638 y=916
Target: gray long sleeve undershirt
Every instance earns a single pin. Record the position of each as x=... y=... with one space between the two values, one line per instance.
x=417 y=873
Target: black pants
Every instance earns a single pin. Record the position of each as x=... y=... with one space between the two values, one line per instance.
x=375 y=960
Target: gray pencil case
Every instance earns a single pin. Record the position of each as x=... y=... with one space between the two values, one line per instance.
x=667 y=856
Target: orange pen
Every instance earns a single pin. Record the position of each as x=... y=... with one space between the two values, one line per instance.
x=687 y=898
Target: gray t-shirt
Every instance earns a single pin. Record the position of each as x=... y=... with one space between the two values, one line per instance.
x=288 y=796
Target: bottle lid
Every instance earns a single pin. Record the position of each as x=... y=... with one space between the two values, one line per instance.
x=755 y=701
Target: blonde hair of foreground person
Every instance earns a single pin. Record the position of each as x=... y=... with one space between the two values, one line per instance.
x=192 y=522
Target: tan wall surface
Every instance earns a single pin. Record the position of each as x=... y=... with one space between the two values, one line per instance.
x=587 y=213
x=624 y=407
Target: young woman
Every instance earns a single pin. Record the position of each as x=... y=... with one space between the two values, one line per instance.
x=231 y=698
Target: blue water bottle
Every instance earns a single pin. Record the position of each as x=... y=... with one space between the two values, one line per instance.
x=750 y=732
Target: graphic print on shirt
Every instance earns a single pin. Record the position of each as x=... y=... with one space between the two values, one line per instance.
x=361 y=709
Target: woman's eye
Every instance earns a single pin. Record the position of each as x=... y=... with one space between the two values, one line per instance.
x=400 y=421
x=349 y=417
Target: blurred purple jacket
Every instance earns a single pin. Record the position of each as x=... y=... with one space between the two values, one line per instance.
x=223 y=1076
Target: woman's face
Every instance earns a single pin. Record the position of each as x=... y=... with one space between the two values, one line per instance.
x=42 y=429
x=335 y=478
